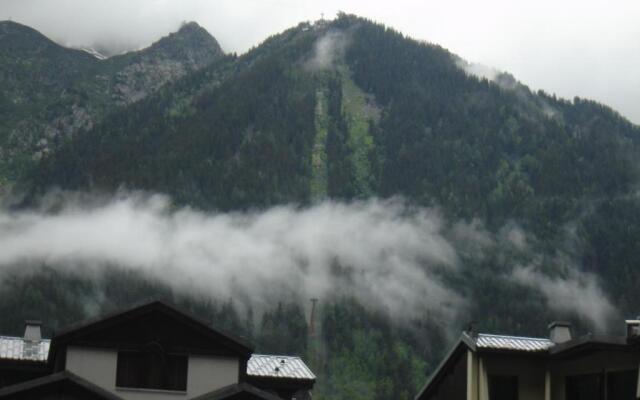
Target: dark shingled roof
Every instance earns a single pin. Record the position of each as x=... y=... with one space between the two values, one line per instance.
x=239 y=345
x=59 y=379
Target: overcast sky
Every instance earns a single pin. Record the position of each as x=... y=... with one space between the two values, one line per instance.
x=585 y=48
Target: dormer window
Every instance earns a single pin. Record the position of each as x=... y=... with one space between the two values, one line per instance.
x=152 y=368
x=503 y=387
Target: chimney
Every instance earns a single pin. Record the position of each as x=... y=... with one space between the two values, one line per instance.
x=32 y=331
x=472 y=329
x=560 y=331
x=633 y=328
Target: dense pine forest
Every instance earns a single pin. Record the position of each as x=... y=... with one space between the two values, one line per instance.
x=344 y=110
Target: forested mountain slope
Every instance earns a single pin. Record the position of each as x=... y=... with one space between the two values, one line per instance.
x=381 y=115
x=344 y=110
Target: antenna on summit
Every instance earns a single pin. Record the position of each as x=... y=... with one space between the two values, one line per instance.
x=321 y=22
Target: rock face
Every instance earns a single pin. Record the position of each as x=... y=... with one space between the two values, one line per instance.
x=49 y=92
x=171 y=58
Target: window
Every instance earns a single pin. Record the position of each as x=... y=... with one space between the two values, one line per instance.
x=621 y=385
x=503 y=387
x=585 y=387
x=152 y=369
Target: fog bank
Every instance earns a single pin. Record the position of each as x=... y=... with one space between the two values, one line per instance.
x=390 y=256
x=381 y=252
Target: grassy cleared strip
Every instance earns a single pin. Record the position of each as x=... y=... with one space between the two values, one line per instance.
x=319 y=153
x=359 y=109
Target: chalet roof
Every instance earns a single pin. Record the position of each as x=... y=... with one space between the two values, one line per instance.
x=465 y=342
x=526 y=345
x=259 y=365
x=79 y=331
x=512 y=343
x=273 y=366
x=16 y=348
x=59 y=380
x=485 y=342
x=520 y=345
x=591 y=342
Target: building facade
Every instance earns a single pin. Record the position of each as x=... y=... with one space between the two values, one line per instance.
x=152 y=351
x=560 y=367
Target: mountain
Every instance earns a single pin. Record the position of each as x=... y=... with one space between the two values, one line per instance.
x=351 y=109
x=50 y=92
x=344 y=109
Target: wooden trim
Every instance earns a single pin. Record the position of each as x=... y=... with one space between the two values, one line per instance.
x=55 y=379
x=449 y=360
x=281 y=383
x=23 y=365
x=140 y=347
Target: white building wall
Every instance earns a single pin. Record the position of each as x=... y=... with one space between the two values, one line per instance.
x=530 y=372
x=205 y=373
x=208 y=373
x=95 y=365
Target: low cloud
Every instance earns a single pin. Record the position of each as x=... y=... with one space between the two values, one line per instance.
x=382 y=252
x=566 y=289
x=478 y=70
x=327 y=50
x=530 y=104
x=575 y=292
x=515 y=236
x=390 y=256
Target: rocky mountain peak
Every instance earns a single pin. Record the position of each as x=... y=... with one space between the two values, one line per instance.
x=191 y=42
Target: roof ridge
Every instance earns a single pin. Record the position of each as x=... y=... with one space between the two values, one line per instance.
x=516 y=337
x=275 y=355
x=274 y=366
x=22 y=338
